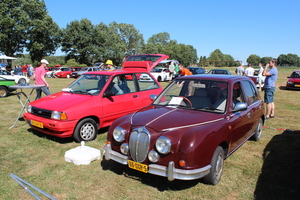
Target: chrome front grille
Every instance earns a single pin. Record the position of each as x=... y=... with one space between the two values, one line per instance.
x=139 y=144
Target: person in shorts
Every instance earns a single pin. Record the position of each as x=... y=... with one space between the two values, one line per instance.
x=271 y=74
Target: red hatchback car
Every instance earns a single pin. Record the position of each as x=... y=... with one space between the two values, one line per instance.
x=190 y=128
x=293 y=80
x=95 y=100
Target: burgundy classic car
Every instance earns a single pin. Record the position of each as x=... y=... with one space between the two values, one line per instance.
x=189 y=129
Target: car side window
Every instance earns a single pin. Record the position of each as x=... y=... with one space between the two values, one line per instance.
x=250 y=92
x=237 y=94
x=123 y=84
x=148 y=84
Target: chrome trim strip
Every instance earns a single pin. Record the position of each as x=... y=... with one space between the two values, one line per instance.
x=161 y=116
x=179 y=127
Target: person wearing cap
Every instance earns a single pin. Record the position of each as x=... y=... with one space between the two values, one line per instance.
x=39 y=77
x=109 y=65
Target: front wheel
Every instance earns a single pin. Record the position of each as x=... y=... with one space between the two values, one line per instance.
x=217 y=164
x=86 y=130
x=68 y=76
x=159 y=79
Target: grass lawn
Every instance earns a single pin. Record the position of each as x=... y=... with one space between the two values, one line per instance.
x=268 y=169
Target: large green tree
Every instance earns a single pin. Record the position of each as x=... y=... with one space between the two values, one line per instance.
x=77 y=41
x=26 y=25
x=253 y=59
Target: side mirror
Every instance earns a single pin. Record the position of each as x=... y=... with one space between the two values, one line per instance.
x=108 y=94
x=240 y=107
x=153 y=97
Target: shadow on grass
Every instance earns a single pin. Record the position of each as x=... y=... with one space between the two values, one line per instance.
x=280 y=173
x=161 y=183
x=57 y=139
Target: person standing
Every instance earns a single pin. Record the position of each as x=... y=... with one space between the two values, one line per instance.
x=39 y=76
x=240 y=70
x=172 y=70
x=259 y=76
x=30 y=70
x=249 y=71
x=269 y=87
x=24 y=70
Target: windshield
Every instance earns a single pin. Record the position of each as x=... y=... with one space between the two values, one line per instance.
x=151 y=58
x=204 y=95
x=156 y=70
x=90 y=84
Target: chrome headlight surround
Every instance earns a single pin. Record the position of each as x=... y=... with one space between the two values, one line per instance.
x=119 y=134
x=163 y=145
x=290 y=82
x=153 y=156
x=124 y=148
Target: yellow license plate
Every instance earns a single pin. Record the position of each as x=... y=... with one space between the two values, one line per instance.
x=37 y=124
x=138 y=166
x=297 y=85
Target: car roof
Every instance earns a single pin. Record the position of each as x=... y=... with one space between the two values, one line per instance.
x=217 y=77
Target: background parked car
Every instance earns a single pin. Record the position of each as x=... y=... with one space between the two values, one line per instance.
x=196 y=70
x=67 y=73
x=17 y=78
x=161 y=74
x=4 y=86
x=190 y=129
x=76 y=74
x=293 y=81
x=219 y=71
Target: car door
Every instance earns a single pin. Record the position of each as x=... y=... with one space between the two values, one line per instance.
x=238 y=121
x=126 y=99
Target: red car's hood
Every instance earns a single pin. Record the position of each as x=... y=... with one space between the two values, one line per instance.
x=61 y=101
x=168 y=118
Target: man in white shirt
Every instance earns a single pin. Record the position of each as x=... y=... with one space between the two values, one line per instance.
x=249 y=71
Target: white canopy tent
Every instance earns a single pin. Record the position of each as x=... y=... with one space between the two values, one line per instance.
x=4 y=57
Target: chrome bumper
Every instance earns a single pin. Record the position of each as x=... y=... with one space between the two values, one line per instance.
x=171 y=172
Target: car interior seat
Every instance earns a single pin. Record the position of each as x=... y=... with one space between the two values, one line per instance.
x=200 y=99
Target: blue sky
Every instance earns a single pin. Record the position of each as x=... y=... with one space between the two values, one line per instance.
x=236 y=27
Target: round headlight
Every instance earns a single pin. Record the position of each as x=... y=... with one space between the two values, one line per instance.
x=163 y=145
x=153 y=156
x=124 y=148
x=119 y=134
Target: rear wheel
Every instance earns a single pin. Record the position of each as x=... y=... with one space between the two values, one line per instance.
x=86 y=130
x=21 y=81
x=217 y=164
x=68 y=76
x=159 y=79
x=258 y=131
x=3 y=91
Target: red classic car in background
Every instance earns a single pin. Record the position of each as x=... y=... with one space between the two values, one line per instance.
x=67 y=72
x=95 y=100
x=293 y=80
x=190 y=128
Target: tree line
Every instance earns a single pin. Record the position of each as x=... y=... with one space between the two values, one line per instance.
x=25 y=26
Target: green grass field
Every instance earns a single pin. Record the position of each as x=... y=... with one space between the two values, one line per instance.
x=268 y=169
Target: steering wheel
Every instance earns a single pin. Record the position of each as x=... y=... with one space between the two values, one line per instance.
x=190 y=103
